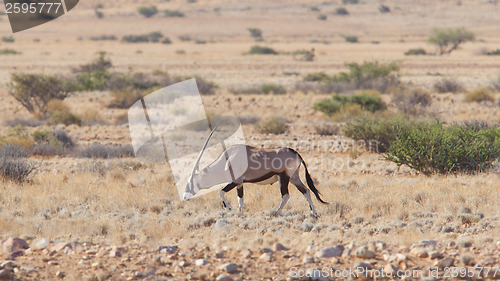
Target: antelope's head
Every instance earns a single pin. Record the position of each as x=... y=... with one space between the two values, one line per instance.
x=193 y=184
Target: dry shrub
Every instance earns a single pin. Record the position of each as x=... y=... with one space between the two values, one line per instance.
x=348 y=112
x=412 y=102
x=448 y=86
x=65 y=117
x=92 y=117
x=14 y=165
x=56 y=105
x=273 y=125
x=327 y=128
x=479 y=95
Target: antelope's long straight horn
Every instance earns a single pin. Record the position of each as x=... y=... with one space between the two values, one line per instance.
x=201 y=152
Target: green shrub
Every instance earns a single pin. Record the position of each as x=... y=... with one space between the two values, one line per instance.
x=494 y=53
x=351 y=39
x=449 y=39
x=173 y=14
x=303 y=55
x=34 y=91
x=345 y=2
x=384 y=9
x=377 y=132
x=273 y=125
x=434 y=148
x=448 y=86
x=143 y=38
x=479 y=95
x=322 y=17
x=341 y=11
x=8 y=51
x=64 y=117
x=148 y=11
x=8 y=39
x=166 y=40
x=125 y=98
x=366 y=101
x=317 y=77
x=273 y=88
x=104 y=38
x=256 y=33
x=314 y=9
x=415 y=52
x=259 y=50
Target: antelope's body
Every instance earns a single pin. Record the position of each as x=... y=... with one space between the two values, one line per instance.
x=262 y=167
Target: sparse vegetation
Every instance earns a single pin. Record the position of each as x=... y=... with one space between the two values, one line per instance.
x=14 y=165
x=448 y=86
x=416 y=52
x=384 y=9
x=256 y=33
x=351 y=39
x=327 y=128
x=366 y=101
x=273 y=125
x=64 y=117
x=346 y=2
x=8 y=39
x=147 y=11
x=173 y=14
x=273 y=88
x=143 y=38
x=260 y=50
x=341 y=11
x=8 y=51
x=322 y=17
x=479 y=95
x=97 y=150
x=412 y=102
x=304 y=55
x=449 y=39
x=104 y=38
x=494 y=53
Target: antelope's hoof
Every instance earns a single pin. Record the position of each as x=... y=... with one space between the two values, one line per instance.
x=315 y=215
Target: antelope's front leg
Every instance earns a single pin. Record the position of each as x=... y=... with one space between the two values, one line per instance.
x=240 y=197
x=223 y=191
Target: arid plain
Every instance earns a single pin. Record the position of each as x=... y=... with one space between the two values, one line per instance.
x=86 y=218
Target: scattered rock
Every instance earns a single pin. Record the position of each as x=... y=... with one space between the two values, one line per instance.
x=246 y=254
x=267 y=257
x=419 y=252
x=60 y=274
x=364 y=253
x=279 y=247
x=201 y=262
x=390 y=269
x=330 y=252
x=6 y=274
x=357 y=220
x=39 y=244
x=466 y=259
x=224 y=277
x=446 y=262
x=168 y=249
x=14 y=246
x=308 y=259
x=229 y=267
x=435 y=255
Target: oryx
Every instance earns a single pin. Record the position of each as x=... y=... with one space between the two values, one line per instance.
x=261 y=166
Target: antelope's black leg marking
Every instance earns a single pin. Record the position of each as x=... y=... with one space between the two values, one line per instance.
x=284 y=180
x=223 y=191
x=240 y=197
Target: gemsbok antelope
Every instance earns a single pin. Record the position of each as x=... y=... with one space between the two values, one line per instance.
x=260 y=166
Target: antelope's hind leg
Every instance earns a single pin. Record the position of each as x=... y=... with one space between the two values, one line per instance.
x=240 y=197
x=284 y=180
x=223 y=191
x=295 y=179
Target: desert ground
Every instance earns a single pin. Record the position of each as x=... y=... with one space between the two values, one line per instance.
x=84 y=218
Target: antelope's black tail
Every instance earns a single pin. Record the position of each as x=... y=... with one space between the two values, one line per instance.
x=309 y=180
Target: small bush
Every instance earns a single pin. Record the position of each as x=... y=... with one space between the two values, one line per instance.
x=345 y=2
x=205 y=87
x=348 y=112
x=326 y=128
x=273 y=125
x=148 y=11
x=351 y=39
x=341 y=11
x=64 y=117
x=411 y=102
x=384 y=9
x=185 y=38
x=166 y=40
x=317 y=77
x=479 y=95
x=448 y=86
x=496 y=85
x=249 y=119
x=377 y=132
x=8 y=51
x=314 y=9
x=491 y=53
x=303 y=55
x=104 y=38
x=52 y=143
x=126 y=98
x=26 y=122
x=256 y=33
x=415 y=52
x=322 y=17
x=434 y=148
x=144 y=38
x=366 y=101
x=259 y=50
x=273 y=88
x=8 y=39
x=56 y=105
x=92 y=117
x=105 y=151
x=173 y=14
x=14 y=165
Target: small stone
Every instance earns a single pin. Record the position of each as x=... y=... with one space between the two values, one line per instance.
x=363 y=265
x=168 y=249
x=224 y=277
x=115 y=253
x=330 y=252
x=60 y=274
x=488 y=261
x=5 y=274
x=390 y=269
x=183 y=263
x=245 y=254
x=91 y=252
x=265 y=250
x=7 y=264
x=39 y=244
x=364 y=253
x=267 y=257
x=466 y=259
x=220 y=254
x=446 y=262
x=357 y=220
x=201 y=262
x=419 y=252
x=279 y=247
x=435 y=255
x=308 y=259
x=465 y=243
x=95 y=264
x=229 y=267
